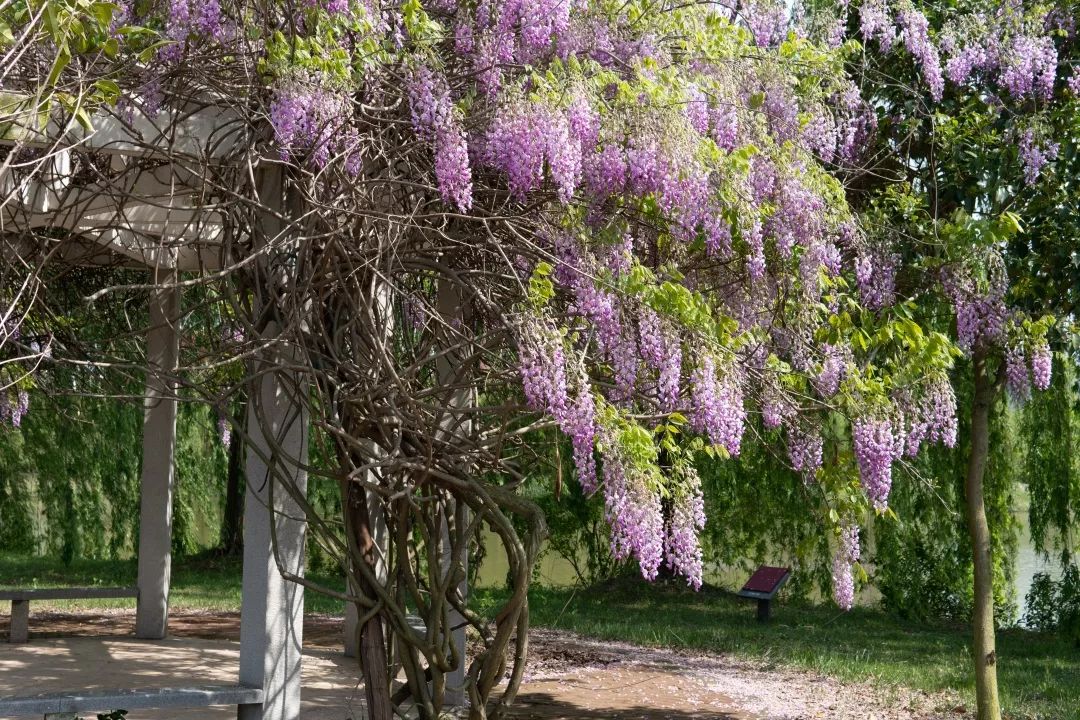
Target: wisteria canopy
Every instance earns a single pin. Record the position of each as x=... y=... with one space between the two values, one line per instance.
x=460 y=225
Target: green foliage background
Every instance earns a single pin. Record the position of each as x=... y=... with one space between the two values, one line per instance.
x=69 y=489
x=69 y=479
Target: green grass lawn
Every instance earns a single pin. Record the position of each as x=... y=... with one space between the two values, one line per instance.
x=203 y=582
x=1039 y=674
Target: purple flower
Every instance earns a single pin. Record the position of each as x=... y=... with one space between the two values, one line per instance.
x=805 y=448
x=875 y=22
x=847 y=554
x=687 y=518
x=916 y=31
x=718 y=410
x=1029 y=67
x=1041 y=365
x=1034 y=157
x=876 y=448
x=1017 y=380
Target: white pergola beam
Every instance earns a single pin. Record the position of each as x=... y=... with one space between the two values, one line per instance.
x=148 y=217
x=204 y=132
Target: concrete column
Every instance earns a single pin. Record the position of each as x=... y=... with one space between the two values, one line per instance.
x=19 y=630
x=352 y=639
x=159 y=447
x=453 y=308
x=272 y=614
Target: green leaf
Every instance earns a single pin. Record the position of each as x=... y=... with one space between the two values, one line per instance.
x=63 y=57
x=108 y=88
x=83 y=118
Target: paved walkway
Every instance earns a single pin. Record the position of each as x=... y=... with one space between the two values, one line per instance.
x=58 y=664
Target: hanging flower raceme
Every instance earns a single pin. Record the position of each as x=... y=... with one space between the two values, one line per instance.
x=682 y=550
x=311 y=122
x=633 y=509
x=544 y=374
x=718 y=410
x=1017 y=378
x=1029 y=67
x=224 y=431
x=979 y=307
x=805 y=449
x=875 y=23
x=1041 y=364
x=930 y=416
x=201 y=19
x=434 y=121
x=1034 y=156
x=916 y=32
x=661 y=350
x=846 y=555
x=877 y=447
x=875 y=273
x=833 y=368
x=12 y=412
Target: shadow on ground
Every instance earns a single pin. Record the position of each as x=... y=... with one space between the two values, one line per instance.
x=545 y=706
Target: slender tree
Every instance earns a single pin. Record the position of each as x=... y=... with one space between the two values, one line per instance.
x=971 y=180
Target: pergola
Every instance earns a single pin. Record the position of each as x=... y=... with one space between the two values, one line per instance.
x=153 y=215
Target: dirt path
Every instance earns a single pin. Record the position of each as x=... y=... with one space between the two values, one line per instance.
x=603 y=679
x=574 y=678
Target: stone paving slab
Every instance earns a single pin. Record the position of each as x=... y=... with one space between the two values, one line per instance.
x=86 y=664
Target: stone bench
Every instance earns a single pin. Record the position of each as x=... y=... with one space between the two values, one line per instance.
x=19 y=631
x=60 y=706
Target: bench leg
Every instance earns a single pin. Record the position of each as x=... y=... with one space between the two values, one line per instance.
x=19 y=631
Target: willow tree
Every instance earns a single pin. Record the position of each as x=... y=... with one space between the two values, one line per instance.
x=441 y=226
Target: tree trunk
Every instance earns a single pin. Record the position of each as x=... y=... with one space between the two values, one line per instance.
x=986 y=690
x=232 y=535
x=373 y=658
x=373 y=667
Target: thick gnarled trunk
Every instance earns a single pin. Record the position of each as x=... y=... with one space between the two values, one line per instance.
x=373 y=654
x=986 y=690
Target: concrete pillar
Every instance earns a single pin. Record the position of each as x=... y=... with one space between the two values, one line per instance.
x=159 y=447
x=352 y=639
x=453 y=309
x=19 y=630
x=272 y=613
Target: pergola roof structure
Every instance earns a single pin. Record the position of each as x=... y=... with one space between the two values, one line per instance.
x=153 y=214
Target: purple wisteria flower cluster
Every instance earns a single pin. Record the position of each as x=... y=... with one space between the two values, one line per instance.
x=877 y=446
x=1034 y=156
x=434 y=121
x=192 y=18
x=980 y=307
x=13 y=411
x=847 y=554
x=312 y=121
x=1020 y=56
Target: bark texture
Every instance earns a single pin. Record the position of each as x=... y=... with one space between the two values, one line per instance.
x=986 y=687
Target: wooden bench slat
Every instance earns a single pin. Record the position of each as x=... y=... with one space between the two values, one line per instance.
x=106 y=700
x=69 y=593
